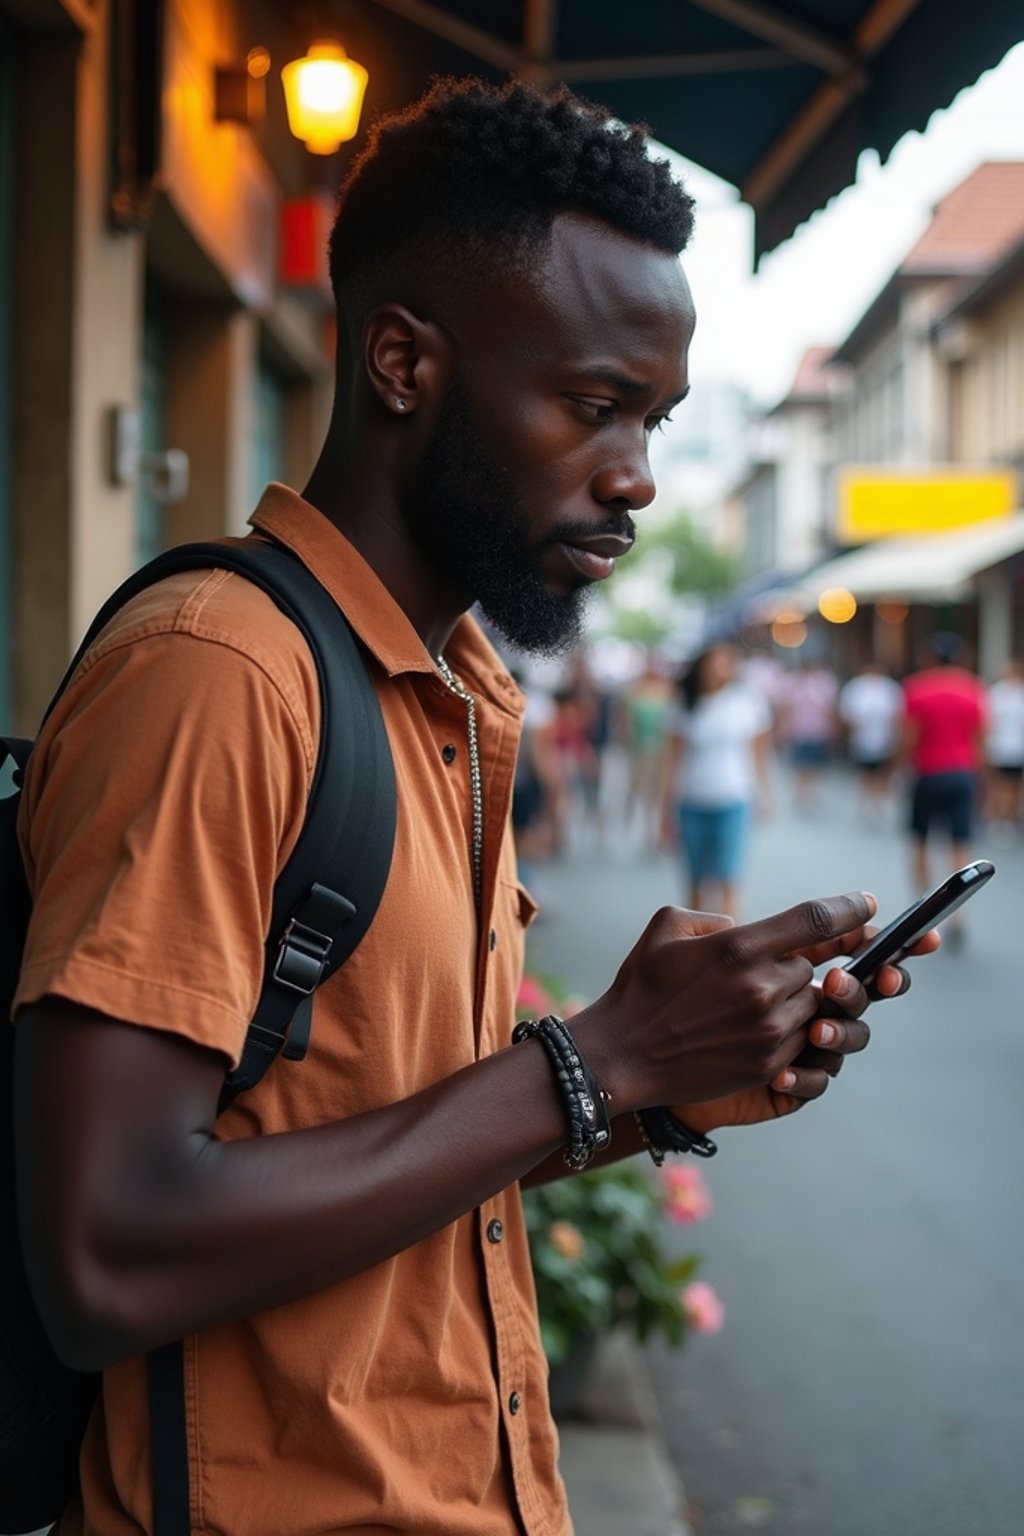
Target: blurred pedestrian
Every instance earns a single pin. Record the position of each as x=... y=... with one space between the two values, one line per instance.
x=808 y=726
x=646 y=706
x=594 y=705
x=943 y=739
x=574 y=763
x=1004 y=752
x=534 y=782
x=871 y=710
x=715 y=768
x=764 y=673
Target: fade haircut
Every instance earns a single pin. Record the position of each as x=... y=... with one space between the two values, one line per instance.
x=465 y=184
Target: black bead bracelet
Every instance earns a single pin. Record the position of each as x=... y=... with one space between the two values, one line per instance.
x=589 y=1127
x=661 y=1132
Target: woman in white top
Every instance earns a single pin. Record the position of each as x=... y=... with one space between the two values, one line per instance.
x=716 y=765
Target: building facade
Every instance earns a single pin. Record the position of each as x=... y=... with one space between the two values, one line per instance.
x=155 y=367
x=915 y=430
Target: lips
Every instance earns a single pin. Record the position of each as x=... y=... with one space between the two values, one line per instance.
x=595 y=558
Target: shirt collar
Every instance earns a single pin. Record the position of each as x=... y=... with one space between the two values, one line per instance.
x=381 y=624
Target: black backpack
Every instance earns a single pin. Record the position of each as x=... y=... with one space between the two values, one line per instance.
x=346 y=840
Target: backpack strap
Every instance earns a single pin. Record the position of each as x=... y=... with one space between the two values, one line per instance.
x=17 y=748
x=347 y=837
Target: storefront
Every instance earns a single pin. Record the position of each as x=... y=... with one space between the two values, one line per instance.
x=7 y=68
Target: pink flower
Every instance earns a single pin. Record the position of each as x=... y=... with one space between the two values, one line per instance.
x=532 y=998
x=566 y=1239
x=702 y=1307
x=687 y=1197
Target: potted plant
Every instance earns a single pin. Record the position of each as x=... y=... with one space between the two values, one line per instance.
x=600 y=1249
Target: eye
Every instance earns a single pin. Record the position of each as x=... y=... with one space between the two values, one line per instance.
x=594 y=409
x=657 y=423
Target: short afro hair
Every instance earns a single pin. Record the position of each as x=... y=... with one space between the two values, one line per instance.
x=471 y=176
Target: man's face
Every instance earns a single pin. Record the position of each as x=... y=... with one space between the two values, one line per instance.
x=539 y=453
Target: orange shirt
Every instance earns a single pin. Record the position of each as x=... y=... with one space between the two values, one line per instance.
x=167 y=790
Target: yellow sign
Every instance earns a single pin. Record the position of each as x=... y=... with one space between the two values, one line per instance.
x=876 y=503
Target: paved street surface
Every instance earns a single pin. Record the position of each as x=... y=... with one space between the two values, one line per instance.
x=870 y=1378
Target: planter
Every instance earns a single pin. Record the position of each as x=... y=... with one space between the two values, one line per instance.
x=568 y=1380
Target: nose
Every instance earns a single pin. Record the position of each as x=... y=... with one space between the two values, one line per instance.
x=625 y=482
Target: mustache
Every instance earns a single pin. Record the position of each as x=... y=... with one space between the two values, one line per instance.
x=622 y=526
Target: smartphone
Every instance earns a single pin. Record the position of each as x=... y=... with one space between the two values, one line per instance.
x=889 y=946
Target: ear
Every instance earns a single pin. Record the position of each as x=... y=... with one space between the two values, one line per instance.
x=407 y=360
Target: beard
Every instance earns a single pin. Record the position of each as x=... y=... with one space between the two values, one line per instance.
x=469 y=521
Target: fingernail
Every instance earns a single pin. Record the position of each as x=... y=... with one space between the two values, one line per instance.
x=871 y=899
x=787 y=1079
x=843 y=985
x=826 y=1033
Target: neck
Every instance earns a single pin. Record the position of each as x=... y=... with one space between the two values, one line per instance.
x=358 y=493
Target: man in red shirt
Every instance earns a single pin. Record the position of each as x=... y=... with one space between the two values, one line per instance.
x=944 y=726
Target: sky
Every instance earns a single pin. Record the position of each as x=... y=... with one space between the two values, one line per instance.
x=752 y=328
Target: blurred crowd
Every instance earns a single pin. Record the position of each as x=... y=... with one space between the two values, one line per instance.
x=689 y=757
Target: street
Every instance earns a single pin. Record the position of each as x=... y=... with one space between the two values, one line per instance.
x=870 y=1375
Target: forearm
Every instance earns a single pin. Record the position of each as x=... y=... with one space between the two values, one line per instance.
x=188 y=1231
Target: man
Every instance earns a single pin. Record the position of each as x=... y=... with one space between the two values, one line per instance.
x=943 y=738
x=343 y=1250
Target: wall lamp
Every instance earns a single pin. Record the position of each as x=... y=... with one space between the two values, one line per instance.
x=323 y=94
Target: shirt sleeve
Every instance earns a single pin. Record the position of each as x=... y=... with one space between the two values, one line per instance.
x=162 y=800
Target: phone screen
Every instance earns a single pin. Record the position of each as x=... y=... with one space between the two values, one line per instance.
x=892 y=943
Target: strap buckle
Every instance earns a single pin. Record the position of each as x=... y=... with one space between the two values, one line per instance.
x=301 y=958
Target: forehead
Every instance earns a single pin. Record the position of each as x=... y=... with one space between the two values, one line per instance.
x=595 y=293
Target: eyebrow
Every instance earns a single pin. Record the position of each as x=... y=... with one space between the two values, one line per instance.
x=628 y=386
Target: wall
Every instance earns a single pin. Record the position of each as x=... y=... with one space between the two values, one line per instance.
x=77 y=310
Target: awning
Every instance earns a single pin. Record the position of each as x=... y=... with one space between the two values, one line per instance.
x=778 y=98
x=933 y=569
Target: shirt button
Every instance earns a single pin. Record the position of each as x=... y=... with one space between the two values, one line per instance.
x=492 y=939
x=514 y=1403
x=495 y=1231
x=448 y=753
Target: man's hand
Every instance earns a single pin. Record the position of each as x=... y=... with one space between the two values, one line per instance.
x=702 y=1010
x=832 y=1036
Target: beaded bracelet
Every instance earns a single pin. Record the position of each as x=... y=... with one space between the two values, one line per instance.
x=661 y=1131
x=589 y=1127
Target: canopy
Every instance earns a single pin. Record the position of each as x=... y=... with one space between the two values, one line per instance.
x=777 y=96
x=933 y=568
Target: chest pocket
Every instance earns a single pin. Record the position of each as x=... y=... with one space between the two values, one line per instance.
x=514 y=911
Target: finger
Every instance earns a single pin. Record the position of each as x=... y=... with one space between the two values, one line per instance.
x=694 y=925
x=807 y=924
x=843 y=994
x=839 y=1038
x=795 y=976
x=928 y=945
x=828 y=1061
x=891 y=981
x=845 y=944
x=801 y=1083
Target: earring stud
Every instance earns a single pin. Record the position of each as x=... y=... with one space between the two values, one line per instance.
x=399 y=403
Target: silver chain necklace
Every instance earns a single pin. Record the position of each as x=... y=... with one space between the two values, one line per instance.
x=476 y=787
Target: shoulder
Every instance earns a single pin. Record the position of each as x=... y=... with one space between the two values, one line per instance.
x=199 y=622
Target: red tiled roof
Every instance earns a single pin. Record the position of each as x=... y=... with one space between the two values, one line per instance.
x=974 y=224
x=812 y=377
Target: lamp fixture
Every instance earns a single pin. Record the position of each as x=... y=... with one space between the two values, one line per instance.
x=239 y=90
x=324 y=95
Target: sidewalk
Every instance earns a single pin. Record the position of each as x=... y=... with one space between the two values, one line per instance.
x=613 y=1459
